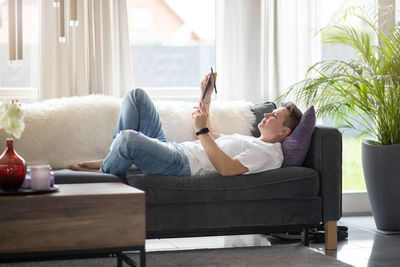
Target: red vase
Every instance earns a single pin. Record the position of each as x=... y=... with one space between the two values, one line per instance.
x=12 y=168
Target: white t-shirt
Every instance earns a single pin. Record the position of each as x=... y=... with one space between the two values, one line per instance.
x=252 y=152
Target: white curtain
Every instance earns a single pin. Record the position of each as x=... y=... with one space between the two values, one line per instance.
x=264 y=46
x=95 y=59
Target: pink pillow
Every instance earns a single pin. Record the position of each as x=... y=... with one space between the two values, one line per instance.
x=296 y=145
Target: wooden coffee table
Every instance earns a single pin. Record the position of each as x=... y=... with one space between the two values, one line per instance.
x=81 y=220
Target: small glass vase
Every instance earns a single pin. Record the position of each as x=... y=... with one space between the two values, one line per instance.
x=12 y=168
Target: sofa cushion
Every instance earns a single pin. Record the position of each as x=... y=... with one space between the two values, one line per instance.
x=259 y=110
x=287 y=183
x=296 y=145
x=66 y=176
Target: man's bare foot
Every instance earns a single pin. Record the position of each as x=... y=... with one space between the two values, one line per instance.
x=93 y=164
x=88 y=166
x=76 y=167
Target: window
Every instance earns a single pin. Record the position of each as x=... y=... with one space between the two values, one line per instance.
x=20 y=81
x=397 y=6
x=172 y=45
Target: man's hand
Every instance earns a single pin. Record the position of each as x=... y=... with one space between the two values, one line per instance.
x=200 y=116
x=207 y=98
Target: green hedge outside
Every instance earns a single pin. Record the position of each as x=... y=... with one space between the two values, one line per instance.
x=353 y=177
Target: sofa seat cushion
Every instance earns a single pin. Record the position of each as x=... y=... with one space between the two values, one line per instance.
x=66 y=176
x=284 y=183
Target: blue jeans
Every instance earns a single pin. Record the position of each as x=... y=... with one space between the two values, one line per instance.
x=139 y=139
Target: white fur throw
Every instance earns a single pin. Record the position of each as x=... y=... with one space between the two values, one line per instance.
x=67 y=130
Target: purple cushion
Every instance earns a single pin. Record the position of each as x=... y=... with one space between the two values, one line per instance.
x=296 y=145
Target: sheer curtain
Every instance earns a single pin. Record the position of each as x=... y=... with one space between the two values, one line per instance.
x=95 y=59
x=264 y=46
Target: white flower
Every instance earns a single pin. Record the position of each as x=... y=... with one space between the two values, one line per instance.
x=12 y=118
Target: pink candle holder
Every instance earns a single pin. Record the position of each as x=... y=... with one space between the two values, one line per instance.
x=40 y=177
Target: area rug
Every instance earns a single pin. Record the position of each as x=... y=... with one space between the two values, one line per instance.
x=277 y=255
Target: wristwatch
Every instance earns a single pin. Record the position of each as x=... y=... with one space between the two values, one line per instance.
x=202 y=131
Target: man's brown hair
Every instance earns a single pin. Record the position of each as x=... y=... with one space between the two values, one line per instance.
x=294 y=117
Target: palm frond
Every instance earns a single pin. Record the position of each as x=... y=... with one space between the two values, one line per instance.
x=364 y=90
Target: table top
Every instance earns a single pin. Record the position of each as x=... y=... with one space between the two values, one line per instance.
x=86 y=189
x=95 y=189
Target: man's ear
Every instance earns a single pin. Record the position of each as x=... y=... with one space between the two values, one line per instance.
x=286 y=131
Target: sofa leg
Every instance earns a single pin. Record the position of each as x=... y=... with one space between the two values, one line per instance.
x=331 y=235
x=305 y=237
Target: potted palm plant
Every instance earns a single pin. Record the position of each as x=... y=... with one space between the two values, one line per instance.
x=364 y=89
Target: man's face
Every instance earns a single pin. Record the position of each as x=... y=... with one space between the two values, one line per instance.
x=272 y=128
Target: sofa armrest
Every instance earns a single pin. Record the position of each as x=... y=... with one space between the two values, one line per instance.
x=325 y=156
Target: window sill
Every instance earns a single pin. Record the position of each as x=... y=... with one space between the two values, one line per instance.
x=166 y=93
x=19 y=93
x=173 y=93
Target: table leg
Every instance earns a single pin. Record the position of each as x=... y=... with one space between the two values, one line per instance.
x=143 y=257
x=119 y=261
x=125 y=258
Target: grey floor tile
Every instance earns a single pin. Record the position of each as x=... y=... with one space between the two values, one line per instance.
x=158 y=244
x=357 y=257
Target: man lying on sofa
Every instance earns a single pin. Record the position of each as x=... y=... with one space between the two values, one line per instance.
x=140 y=139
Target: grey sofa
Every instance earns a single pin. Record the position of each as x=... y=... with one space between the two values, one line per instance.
x=281 y=200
